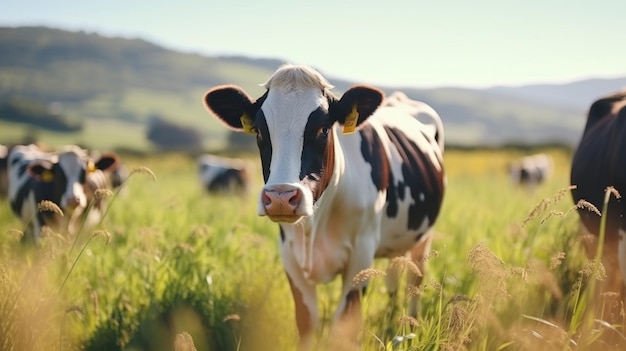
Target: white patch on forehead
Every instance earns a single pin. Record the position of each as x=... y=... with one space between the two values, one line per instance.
x=287 y=113
x=72 y=162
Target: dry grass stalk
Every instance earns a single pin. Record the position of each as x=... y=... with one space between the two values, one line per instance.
x=231 y=317
x=49 y=206
x=403 y=262
x=184 y=342
x=408 y=320
x=366 y=274
x=583 y=204
x=101 y=194
x=103 y=233
x=543 y=205
x=144 y=170
x=556 y=260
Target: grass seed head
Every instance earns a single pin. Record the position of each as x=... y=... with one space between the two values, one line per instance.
x=365 y=275
x=49 y=206
x=101 y=194
x=584 y=204
x=103 y=233
x=184 y=342
x=144 y=170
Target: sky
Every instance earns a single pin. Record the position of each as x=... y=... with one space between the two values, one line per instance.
x=471 y=43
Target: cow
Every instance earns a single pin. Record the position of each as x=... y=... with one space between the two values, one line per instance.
x=68 y=179
x=4 y=174
x=222 y=174
x=598 y=163
x=348 y=179
x=531 y=171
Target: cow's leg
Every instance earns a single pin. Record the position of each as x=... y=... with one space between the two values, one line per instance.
x=414 y=279
x=304 y=298
x=348 y=321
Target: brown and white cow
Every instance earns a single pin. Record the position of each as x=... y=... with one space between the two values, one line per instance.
x=68 y=178
x=597 y=164
x=223 y=174
x=341 y=199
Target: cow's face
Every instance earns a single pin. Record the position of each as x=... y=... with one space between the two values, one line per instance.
x=293 y=126
x=68 y=175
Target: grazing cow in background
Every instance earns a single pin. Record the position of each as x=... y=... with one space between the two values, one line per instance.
x=67 y=178
x=348 y=179
x=4 y=173
x=222 y=174
x=597 y=164
x=531 y=171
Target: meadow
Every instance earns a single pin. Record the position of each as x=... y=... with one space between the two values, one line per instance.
x=171 y=266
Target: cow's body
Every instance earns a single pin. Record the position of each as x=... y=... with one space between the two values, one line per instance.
x=597 y=164
x=531 y=171
x=68 y=178
x=341 y=200
x=221 y=174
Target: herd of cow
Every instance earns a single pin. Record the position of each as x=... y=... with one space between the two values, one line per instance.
x=347 y=178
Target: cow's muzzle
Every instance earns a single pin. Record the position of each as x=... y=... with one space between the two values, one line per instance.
x=281 y=202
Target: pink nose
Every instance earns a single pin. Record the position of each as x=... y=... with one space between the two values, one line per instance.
x=281 y=200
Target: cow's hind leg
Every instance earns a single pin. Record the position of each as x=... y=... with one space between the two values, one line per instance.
x=414 y=277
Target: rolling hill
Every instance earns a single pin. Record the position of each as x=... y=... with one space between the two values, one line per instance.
x=115 y=86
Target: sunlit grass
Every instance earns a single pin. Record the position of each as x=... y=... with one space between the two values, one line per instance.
x=179 y=265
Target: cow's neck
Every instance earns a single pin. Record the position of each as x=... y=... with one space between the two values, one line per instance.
x=309 y=236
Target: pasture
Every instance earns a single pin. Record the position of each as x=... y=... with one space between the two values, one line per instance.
x=170 y=264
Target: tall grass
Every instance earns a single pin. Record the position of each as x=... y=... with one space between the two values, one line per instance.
x=190 y=270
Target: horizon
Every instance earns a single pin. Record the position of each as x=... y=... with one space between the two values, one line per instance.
x=491 y=44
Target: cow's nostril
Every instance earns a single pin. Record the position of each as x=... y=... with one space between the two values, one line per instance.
x=266 y=199
x=296 y=198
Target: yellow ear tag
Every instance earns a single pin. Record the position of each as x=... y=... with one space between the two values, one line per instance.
x=247 y=124
x=350 y=125
x=47 y=176
x=91 y=167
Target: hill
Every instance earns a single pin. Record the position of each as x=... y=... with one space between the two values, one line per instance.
x=115 y=86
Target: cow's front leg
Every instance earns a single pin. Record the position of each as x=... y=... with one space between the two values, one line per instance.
x=348 y=319
x=305 y=303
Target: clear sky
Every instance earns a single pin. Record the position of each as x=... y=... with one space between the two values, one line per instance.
x=474 y=43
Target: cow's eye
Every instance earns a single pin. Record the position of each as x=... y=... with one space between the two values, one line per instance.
x=323 y=132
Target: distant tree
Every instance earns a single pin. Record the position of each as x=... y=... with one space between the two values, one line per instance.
x=35 y=114
x=166 y=135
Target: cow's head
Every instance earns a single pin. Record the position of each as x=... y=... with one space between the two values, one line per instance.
x=293 y=122
x=68 y=173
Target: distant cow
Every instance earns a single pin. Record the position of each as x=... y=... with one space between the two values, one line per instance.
x=348 y=179
x=599 y=162
x=68 y=178
x=222 y=174
x=531 y=170
x=4 y=173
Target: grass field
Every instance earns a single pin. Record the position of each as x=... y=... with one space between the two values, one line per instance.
x=171 y=264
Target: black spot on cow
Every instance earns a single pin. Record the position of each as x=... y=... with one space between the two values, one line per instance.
x=425 y=183
x=374 y=153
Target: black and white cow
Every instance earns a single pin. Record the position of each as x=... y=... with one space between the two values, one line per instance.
x=69 y=178
x=597 y=164
x=222 y=174
x=341 y=199
x=4 y=173
x=531 y=170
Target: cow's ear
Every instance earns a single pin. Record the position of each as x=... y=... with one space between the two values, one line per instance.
x=41 y=170
x=355 y=106
x=233 y=106
x=107 y=162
